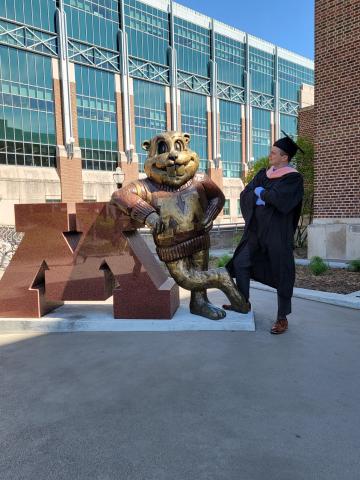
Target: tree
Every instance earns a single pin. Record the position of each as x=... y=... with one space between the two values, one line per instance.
x=263 y=162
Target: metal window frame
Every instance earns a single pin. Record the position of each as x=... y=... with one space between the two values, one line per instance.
x=150 y=71
x=26 y=31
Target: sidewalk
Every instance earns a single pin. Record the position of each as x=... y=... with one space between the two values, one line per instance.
x=351 y=300
x=186 y=405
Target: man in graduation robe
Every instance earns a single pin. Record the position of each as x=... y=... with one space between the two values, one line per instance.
x=271 y=205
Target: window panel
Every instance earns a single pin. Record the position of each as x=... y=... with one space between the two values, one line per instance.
x=262 y=66
x=230 y=139
x=289 y=124
x=150 y=114
x=24 y=115
x=40 y=13
x=194 y=122
x=148 y=29
x=291 y=77
x=193 y=47
x=93 y=21
x=230 y=58
x=226 y=208
x=97 y=126
x=261 y=133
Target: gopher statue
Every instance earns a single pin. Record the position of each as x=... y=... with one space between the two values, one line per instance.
x=179 y=206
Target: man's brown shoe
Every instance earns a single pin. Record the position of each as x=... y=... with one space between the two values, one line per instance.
x=280 y=326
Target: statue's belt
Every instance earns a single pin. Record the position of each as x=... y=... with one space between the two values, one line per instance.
x=183 y=249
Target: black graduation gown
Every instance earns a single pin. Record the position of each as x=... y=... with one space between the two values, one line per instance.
x=269 y=230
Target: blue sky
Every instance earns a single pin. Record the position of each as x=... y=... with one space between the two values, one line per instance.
x=286 y=23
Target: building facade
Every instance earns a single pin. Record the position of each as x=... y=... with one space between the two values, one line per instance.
x=335 y=231
x=84 y=82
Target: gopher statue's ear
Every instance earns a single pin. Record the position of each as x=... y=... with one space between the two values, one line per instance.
x=186 y=138
x=146 y=145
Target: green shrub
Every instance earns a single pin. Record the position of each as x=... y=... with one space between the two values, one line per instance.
x=262 y=162
x=317 y=266
x=223 y=260
x=354 y=265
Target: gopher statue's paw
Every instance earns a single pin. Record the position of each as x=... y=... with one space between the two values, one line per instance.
x=207 y=310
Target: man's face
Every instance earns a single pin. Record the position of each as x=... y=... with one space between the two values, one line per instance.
x=277 y=158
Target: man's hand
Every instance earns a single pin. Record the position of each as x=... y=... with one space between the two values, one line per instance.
x=154 y=222
x=257 y=192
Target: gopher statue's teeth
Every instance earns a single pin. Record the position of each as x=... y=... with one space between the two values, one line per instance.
x=171 y=171
x=180 y=170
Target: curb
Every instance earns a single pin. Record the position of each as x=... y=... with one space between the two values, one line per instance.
x=98 y=317
x=330 y=263
x=338 y=299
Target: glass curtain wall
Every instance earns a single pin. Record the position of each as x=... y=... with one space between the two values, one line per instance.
x=96 y=110
x=37 y=13
x=230 y=139
x=148 y=31
x=27 y=120
x=192 y=44
x=289 y=123
x=261 y=133
x=262 y=71
x=194 y=122
x=230 y=58
x=150 y=114
x=93 y=21
x=291 y=76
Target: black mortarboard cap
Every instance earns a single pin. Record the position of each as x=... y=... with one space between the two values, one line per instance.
x=287 y=145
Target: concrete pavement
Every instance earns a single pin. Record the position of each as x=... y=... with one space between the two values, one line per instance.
x=186 y=405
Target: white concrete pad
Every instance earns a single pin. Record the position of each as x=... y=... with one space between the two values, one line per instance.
x=98 y=317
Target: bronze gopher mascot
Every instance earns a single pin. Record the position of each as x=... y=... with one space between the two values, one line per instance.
x=179 y=206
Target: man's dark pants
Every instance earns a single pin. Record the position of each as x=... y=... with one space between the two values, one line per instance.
x=242 y=267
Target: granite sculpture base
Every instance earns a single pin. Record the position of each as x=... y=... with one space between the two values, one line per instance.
x=83 y=252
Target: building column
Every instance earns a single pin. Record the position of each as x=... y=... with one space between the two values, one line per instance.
x=275 y=122
x=248 y=123
x=214 y=171
x=130 y=170
x=249 y=137
x=244 y=165
x=178 y=112
x=272 y=127
x=69 y=167
x=134 y=156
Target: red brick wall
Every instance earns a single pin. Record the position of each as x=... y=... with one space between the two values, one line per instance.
x=306 y=125
x=58 y=112
x=70 y=173
x=168 y=115
x=337 y=109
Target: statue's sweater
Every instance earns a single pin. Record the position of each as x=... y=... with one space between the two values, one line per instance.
x=187 y=212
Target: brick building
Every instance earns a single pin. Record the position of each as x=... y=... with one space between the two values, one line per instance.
x=335 y=232
x=306 y=122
